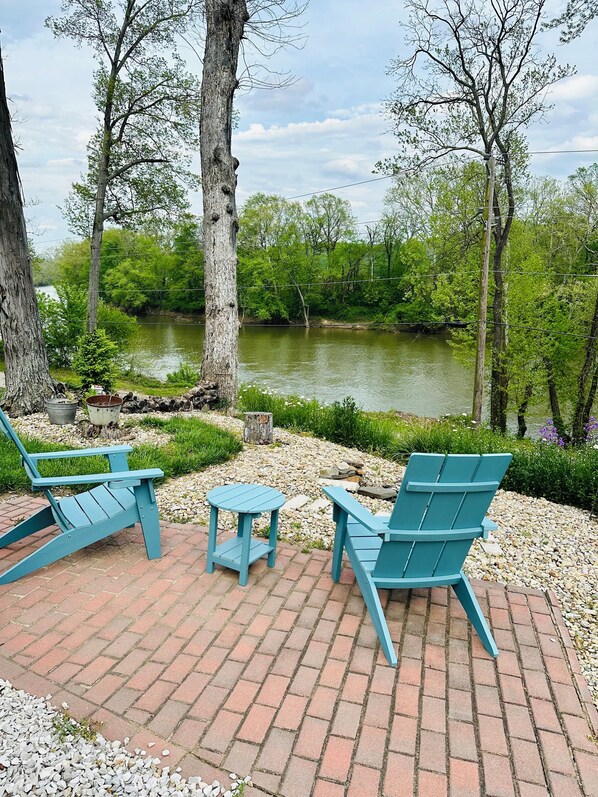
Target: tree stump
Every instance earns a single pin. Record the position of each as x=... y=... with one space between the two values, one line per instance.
x=259 y=428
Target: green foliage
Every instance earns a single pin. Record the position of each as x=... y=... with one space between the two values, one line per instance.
x=186 y=375
x=341 y=422
x=148 y=104
x=63 y=323
x=95 y=360
x=67 y=728
x=194 y=445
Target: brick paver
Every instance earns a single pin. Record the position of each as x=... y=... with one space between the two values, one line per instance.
x=284 y=680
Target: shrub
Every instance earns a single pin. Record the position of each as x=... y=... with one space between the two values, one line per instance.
x=63 y=323
x=95 y=360
x=186 y=375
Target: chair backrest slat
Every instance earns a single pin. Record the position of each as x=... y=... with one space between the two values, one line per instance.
x=409 y=509
x=444 y=493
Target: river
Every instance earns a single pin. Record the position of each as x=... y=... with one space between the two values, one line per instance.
x=381 y=371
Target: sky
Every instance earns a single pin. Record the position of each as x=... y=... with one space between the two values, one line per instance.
x=326 y=130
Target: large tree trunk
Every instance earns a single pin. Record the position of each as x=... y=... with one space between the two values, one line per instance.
x=28 y=380
x=225 y=22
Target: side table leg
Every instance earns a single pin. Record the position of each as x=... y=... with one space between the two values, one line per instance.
x=272 y=538
x=213 y=530
x=245 y=524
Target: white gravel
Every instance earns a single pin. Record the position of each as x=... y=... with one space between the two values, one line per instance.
x=36 y=760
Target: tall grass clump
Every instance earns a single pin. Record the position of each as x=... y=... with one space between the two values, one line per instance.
x=539 y=469
x=341 y=422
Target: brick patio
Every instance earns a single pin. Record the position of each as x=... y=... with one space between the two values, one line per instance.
x=283 y=679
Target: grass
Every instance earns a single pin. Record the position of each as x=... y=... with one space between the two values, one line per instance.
x=194 y=445
x=66 y=727
x=135 y=383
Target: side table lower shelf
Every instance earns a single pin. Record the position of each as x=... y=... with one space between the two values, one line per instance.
x=229 y=553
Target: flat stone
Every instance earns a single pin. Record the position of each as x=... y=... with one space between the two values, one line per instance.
x=384 y=493
x=350 y=487
x=491 y=547
x=355 y=463
x=295 y=503
x=318 y=505
x=329 y=473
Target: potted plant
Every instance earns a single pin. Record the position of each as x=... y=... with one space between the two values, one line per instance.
x=61 y=409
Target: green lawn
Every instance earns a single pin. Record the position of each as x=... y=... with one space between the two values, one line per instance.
x=194 y=445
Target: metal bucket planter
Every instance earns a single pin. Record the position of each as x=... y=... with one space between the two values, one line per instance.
x=103 y=410
x=61 y=410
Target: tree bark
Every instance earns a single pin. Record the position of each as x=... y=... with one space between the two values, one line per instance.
x=586 y=383
x=28 y=380
x=555 y=406
x=225 y=22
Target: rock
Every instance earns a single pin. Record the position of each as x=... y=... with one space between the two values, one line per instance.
x=351 y=487
x=383 y=493
x=295 y=503
x=329 y=473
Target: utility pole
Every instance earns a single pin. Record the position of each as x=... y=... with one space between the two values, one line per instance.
x=478 y=384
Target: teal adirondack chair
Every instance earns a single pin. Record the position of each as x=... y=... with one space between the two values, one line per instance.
x=439 y=511
x=121 y=499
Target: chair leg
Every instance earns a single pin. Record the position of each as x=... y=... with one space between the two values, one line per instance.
x=372 y=601
x=272 y=538
x=55 y=549
x=340 y=535
x=212 y=532
x=38 y=521
x=149 y=519
x=472 y=608
x=246 y=522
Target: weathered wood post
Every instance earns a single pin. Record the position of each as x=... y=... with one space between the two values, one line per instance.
x=259 y=428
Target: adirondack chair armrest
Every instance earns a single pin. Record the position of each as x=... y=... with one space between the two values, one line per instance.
x=348 y=504
x=82 y=452
x=125 y=478
x=488 y=526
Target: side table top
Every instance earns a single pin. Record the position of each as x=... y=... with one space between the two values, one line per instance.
x=248 y=498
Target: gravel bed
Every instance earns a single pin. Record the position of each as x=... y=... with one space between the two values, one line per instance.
x=44 y=752
x=38 y=425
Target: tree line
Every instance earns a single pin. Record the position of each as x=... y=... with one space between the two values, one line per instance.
x=418 y=267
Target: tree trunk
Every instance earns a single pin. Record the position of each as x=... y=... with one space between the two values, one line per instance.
x=586 y=383
x=304 y=307
x=555 y=407
x=225 y=22
x=97 y=233
x=28 y=380
x=258 y=428
x=522 y=409
x=499 y=382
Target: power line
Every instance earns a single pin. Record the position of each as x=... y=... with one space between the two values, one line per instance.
x=390 y=176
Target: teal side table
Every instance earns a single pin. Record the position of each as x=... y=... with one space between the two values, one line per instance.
x=249 y=501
